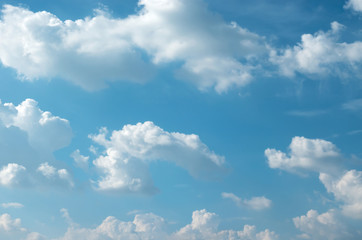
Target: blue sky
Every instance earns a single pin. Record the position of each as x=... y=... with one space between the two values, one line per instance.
x=180 y=119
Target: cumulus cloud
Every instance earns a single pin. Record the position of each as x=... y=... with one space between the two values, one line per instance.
x=45 y=132
x=321 y=54
x=355 y=5
x=325 y=226
x=323 y=157
x=11 y=229
x=12 y=205
x=204 y=226
x=348 y=189
x=55 y=175
x=29 y=136
x=12 y=175
x=306 y=154
x=129 y=151
x=256 y=203
x=80 y=160
x=96 y=50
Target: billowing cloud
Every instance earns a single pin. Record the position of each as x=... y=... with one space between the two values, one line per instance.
x=256 y=203
x=129 y=151
x=45 y=132
x=306 y=154
x=348 y=189
x=29 y=136
x=355 y=5
x=321 y=54
x=204 y=226
x=326 y=226
x=94 y=51
x=323 y=157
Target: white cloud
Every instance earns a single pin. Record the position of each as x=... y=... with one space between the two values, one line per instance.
x=321 y=55
x=10 y=175
x=355 y=5
x=8 y=224
x=348 y=189
x=11 y=229
x=354 y=105
x=326 y=226
x=29 y=136
x=256 y=203
x=130 y=150
x=204 y=226
x=45 y=132
x=55 y=175
x=306 y=154
x=80 y=160
x=96 y=50
x=12 y=205
x=322 y=156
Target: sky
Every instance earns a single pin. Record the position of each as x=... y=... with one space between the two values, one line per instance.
x=181 y=119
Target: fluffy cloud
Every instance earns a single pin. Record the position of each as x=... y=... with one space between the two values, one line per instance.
x=129 y=151
x=8 y=224
x=80 y=160
x=45 y=132
x=355 y=5
x=12 y=175
x=326 y=226
x=256 y=203
x=96 y=50
x=204 y=226
x=150 y=226
x=321 y=54
x=306 y=154
x=348 y=189
x=323 y=157
x=28 y=136
x=55 y=175
x=11 y=229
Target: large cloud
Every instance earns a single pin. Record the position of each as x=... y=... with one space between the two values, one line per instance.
x=321 y=54
x=129 y=151
x=204 y=226
x=93 y=51
x=28 y=137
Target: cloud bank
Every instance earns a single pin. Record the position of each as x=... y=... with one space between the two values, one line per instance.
x=204 y=226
